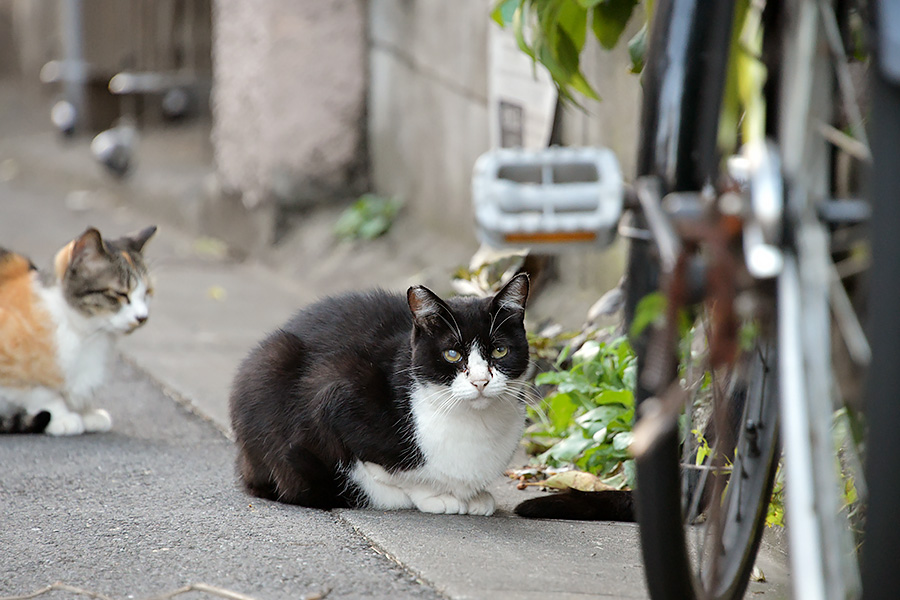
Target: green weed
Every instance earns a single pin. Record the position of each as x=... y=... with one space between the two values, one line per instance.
x=586 y=421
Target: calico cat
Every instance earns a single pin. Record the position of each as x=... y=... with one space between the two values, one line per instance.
x=58 y=328
x=376 y=400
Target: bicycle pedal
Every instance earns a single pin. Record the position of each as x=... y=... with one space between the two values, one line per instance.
x=550 y=199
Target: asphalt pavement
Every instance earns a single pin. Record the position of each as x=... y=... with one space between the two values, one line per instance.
x=154 y=505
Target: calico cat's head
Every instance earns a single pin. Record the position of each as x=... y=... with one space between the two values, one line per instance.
x=476 y=347
x=107 y=280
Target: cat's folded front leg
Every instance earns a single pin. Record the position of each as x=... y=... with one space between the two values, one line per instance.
x=96 y=420
x=65 y=423
x=379 y=488
x=62 y=420
x=482 y=503
x=430 y=501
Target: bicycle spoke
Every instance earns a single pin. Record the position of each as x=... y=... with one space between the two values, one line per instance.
x=845 y=81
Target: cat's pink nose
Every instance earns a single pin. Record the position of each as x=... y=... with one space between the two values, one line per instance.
x=480 y=384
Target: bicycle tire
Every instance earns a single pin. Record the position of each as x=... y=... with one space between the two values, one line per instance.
x=880 y=577
x=686 y=160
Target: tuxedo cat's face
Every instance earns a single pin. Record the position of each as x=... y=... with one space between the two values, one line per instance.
x=474 y=348
x=107 y=280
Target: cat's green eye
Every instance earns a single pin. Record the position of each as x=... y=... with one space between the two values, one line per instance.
x=499 y=351
x=452 y=356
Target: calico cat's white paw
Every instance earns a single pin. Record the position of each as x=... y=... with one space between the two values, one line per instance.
x=97 y=420
x=481 y=504
x=66 y=423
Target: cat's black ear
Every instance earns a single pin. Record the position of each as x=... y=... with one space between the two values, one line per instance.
x=425 y=305
x=135 y=241
x=513 y=296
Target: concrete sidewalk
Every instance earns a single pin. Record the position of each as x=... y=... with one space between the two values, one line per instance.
x=210 y=310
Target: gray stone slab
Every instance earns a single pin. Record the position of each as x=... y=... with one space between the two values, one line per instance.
x=495 y=557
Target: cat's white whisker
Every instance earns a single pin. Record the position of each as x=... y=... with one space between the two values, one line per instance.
x=457 y=332
x=526 y=390
x=508 y=317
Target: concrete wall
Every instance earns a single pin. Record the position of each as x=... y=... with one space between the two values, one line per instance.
x=613 y=122
x=312 y=96
x=428 y=104
x=428 y=114
x=289 y=99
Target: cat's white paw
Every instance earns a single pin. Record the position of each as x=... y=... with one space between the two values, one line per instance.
x=442 y=504
x=65 y=423
x=96 y=420
x=377 y=473
x=482 y=504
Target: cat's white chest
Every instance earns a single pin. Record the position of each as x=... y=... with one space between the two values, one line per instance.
x=463 y=446
x=83 y=349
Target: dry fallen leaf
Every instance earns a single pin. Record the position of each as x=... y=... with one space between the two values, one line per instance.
x=578 y=480
x=216 y=292
x=210 y=247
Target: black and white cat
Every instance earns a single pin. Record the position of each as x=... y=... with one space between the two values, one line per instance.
x=386 y=402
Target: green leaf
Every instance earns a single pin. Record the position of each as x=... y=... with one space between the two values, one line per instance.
x=504 y=10
x=610 y=19
x=562 y=409
x=637 y=49
x=568 y=449
x=368 y=218
x=563 y=355
x=629 y=468
x=622 y=440
x=650 y=309
x=581 y=85
x=597 y=418
x=519 y=32
x=629 y=376
x=625 y=398
x=578 y=383
x=551 y=378
x=703 y=449
x=617 y=481
x=572 y=18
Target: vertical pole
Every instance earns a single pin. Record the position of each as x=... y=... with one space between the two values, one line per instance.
x=74 y=69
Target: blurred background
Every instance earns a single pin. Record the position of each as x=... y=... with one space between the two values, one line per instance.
x=258 y=123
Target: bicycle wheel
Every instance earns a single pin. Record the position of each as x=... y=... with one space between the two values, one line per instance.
x=700 y=527
x=803 y=111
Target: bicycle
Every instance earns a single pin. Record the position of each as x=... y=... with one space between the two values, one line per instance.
x=742 y=251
